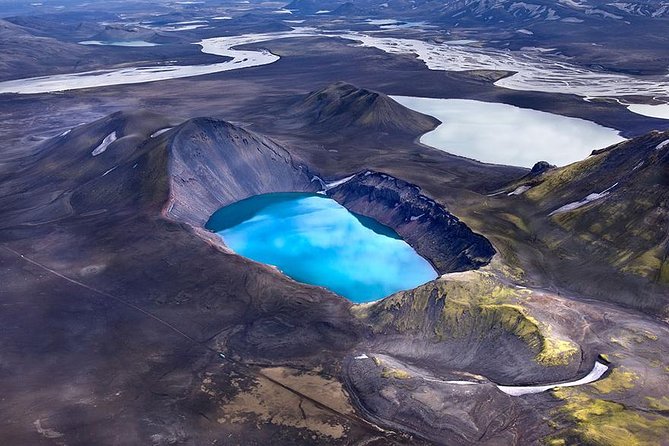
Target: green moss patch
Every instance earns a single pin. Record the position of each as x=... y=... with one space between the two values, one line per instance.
x=607 y=423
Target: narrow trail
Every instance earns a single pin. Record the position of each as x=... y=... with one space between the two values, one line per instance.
x=103 y=293
x=248 y=369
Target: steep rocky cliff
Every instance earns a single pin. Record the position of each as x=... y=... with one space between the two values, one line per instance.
x=425 y=224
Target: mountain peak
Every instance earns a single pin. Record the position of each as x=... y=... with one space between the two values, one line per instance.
x=341 y=105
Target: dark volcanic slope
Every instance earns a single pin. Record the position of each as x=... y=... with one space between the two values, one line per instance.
x=213 y=163
x=342 y=129
x=117 y=313
x=123 y=316
x=20 y=50
x=344 y=108
x=49 y=185
x=135 y=304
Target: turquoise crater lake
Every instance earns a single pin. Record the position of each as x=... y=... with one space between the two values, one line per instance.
x=315 y=240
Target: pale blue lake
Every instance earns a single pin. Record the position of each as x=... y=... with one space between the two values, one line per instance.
x=313 y=239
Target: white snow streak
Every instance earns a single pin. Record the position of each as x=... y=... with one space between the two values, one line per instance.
x=577 y=204
x=104 y=144
x=160 y=132
x=328 y=186
x=597 y=371
x=520 y=190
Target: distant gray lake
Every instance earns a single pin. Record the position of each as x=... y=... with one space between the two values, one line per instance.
x=315 y=240
x=505 y=134
x=129 y=43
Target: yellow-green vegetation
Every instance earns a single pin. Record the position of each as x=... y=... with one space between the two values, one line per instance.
x=556 y=352
x=516 y=221
x=377 y=361
x=618 y=381
x=609 y=423
x=633 y=336
x=569 y=220
x=472 y=303
x=647 y=264
x=596 y=228
x=661 y=404
x=361 y=311
x=395 y=373
x=623 y=232
x=664 y=272
x=555 y=442
x=559 y=177
x=649 y=335
x=510 y=266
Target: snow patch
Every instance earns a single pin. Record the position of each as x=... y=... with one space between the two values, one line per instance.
x=597 y=371
x=161 y=131
x=104 y=144
x=363 y=356
x=328 y=186
x=520 y=190
x=662 y=145
x=109 y=170
x=577 y=204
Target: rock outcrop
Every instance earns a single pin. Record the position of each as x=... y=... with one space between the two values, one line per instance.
x=425 y=224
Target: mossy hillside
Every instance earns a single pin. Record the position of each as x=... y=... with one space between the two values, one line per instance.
x=601 y=170
x=660 y=404
x=516 y=221
x=619 y=380
x=555 y=180
x=630 y=338
x=607 y=423
x=395 y=373
x=634 y=244
x=465 y=305
x=390 y=372
x=626 y=229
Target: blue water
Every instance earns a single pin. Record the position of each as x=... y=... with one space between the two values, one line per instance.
x=315 y=240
